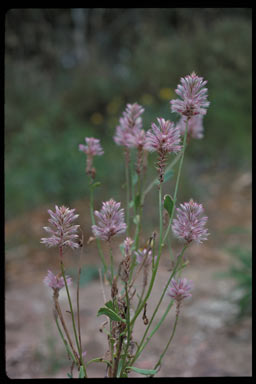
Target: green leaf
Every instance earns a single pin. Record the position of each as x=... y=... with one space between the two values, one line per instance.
x=168 y=204
x=137 y=201
x=70 y=376
x=110 y=313
x=81 y=373
x=110 y=305
x=143 y=371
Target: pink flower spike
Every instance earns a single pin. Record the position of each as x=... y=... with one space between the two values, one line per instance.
x=180 y=289
x=193 y=96
x=110 y=221
x=93 y=147
x=129 y=124
x=64 y=232
x=164 y=138
x=189 y=225
x=56 y=282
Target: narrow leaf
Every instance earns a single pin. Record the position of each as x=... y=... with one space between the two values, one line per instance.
x=109 y=313
x=143 y=371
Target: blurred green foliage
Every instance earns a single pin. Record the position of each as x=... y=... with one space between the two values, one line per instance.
x=241 y=273
x=70 y=72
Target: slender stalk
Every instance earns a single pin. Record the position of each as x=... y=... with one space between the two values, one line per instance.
x=169 y=341
x=58 y=310
x=177 y=182
x=78 y=308
x=72 y=314
x=111 y=261
x=70 y=353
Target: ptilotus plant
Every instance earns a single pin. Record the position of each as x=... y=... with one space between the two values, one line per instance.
x=130 y=304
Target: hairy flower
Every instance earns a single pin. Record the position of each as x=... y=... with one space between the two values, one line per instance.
x=193 y=96
x=110 y=221
x=165 y=138
x=129 y=123
x=63 y=233
x=93 y=147
x=180 y=289
x=195 y=126
x=189 y=225
x=56 y=282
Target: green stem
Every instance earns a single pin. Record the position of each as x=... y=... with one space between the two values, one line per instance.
x=111 y=261
x=167 y=345
x=72 y=314
x=177 y=182
x=65 y=342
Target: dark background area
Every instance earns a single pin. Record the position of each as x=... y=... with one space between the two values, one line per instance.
x=69 y=74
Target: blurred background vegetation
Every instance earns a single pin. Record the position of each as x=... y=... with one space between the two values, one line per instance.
x=70 y=72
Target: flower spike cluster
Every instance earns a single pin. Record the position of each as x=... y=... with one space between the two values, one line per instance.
x=64 y=232
x=56 y=282
x=93 y=148
x=193 y=96
x=189 y=225
x=110 y=221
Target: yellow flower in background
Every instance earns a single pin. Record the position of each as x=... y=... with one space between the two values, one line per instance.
x=166 y=93
x=96 y=118
x=114 y=105
x=147 y=99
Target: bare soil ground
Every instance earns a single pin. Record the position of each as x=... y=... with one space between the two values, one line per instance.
x=208 y=340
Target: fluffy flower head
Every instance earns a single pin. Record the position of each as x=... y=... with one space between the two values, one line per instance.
x=64 y=232
x=180 y=289
x=195 y=126
x=110 y=221
x=129 y=123
x=164 y=138
x=93 y=147
x=193 y=96
x=189 y=225
x=56 y=282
